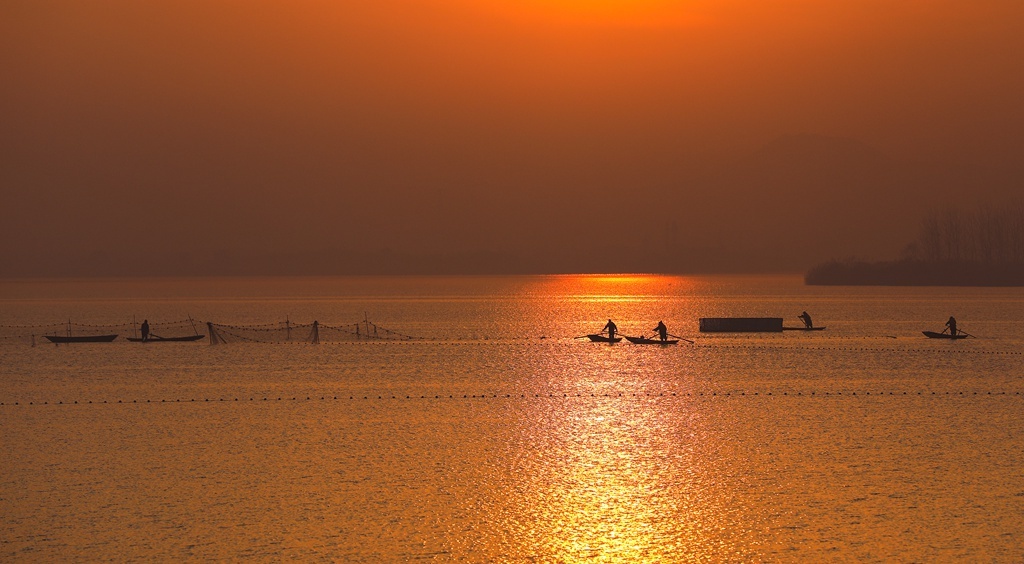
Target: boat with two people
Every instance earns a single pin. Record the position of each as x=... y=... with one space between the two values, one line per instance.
x=608 y=335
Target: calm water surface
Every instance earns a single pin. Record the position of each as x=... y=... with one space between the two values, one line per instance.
x=495 y=435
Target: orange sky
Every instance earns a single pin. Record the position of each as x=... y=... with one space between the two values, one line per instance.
x=175 y=136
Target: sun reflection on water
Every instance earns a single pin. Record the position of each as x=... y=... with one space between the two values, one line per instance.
x=597 y=486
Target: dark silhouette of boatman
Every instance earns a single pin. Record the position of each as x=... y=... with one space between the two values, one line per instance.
x=145 y=330
x=952 y=325
x=806 y=317
x=611 y=328
x=662 y=331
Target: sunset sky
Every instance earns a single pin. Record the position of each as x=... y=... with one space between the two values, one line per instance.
x=312 y=136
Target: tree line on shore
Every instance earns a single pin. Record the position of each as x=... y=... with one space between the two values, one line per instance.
x=980 y=247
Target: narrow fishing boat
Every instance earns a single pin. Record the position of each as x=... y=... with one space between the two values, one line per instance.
x=155 y=339
x=598 y=338
x=61 y=339
x=934 y=335
x=646 y=341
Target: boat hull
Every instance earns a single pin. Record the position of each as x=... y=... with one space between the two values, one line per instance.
x=58 y=339
x=740 y=324
x=167 y=339
x=803 y=328
x=603 y=339
x=646 y=341
x=934 y=335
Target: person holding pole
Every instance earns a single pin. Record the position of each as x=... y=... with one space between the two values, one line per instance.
x=806 y=318
x=662 y=331
x=611 y=328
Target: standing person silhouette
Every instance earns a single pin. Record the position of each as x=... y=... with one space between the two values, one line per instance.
x=662 y=331
x=806 y=317
x=145 y=330
x=951 y=324
x=611 y=329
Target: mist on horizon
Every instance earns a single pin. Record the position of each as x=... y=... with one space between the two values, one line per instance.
x=491 y=136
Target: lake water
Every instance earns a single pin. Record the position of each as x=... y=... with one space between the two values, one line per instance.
x=495 y=435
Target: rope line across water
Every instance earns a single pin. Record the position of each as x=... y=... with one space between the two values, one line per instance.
x=564 y=395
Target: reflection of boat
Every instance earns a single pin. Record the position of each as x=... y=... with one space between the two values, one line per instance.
x=934 y=335
x=803 y=328
x=154 y=339
x=80 y=339
x=646 y=341
x=603 y=339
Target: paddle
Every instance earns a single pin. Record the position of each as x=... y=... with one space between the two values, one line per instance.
x=680 y=338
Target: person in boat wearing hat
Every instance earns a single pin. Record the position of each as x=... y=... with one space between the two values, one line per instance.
x=806 y=318
x=951 y=324
x=662 y=331
x=611 y=328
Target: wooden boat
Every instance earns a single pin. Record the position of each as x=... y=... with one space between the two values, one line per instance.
x=803 y=328
x=603 y=339
x=934 y=335
x=186 y=338
x=61 y=339
x=646 y=341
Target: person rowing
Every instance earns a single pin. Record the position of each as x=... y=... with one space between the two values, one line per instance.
x=662 y=331
x=806 y=318
x=611 y=328
x=951 y=325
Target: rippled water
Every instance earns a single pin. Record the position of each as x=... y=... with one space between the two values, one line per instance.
x=497 y=436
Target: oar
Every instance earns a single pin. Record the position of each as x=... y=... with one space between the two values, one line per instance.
x=962 y=332
x=680 y=338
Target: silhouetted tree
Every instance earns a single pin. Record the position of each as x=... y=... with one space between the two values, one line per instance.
x=984 y=247
x=988 y=235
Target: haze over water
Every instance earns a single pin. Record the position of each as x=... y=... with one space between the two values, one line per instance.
x=216 y=137
x=495 y=435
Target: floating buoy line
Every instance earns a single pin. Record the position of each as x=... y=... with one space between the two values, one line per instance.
x=533 y=396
